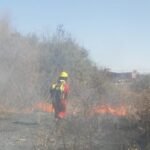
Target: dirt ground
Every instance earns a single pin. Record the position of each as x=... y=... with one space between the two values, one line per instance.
x=20 y=131
x=36 y=131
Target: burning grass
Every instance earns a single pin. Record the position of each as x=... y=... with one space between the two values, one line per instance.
x=120 y=110
x=114 y=110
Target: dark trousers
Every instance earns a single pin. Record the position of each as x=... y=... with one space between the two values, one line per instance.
x=59 y=108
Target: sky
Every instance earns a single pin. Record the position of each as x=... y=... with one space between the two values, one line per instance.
x=116 y=33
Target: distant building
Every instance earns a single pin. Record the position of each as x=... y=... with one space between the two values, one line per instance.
x=134 y=74
x=121 y=76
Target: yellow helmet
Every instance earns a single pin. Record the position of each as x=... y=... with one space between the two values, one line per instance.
x=64 y=74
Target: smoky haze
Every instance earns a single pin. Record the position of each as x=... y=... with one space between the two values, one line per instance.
x=19 y=67
x=29 y=64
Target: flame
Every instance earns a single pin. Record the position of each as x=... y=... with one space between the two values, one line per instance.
x=101 y=109
x=44 y=106
x=114 y=110
x=47 y=107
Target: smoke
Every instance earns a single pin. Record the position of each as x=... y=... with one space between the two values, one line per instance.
x=18 y=67
x=27 y=65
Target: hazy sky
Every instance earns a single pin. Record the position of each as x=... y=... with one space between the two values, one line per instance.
x=116 y=32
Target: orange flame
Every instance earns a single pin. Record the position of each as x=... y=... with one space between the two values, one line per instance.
x=114 y=110
x=101 y=109
x=44 y=106
x=47 y=107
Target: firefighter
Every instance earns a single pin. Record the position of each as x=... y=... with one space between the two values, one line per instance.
x=59 y=94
